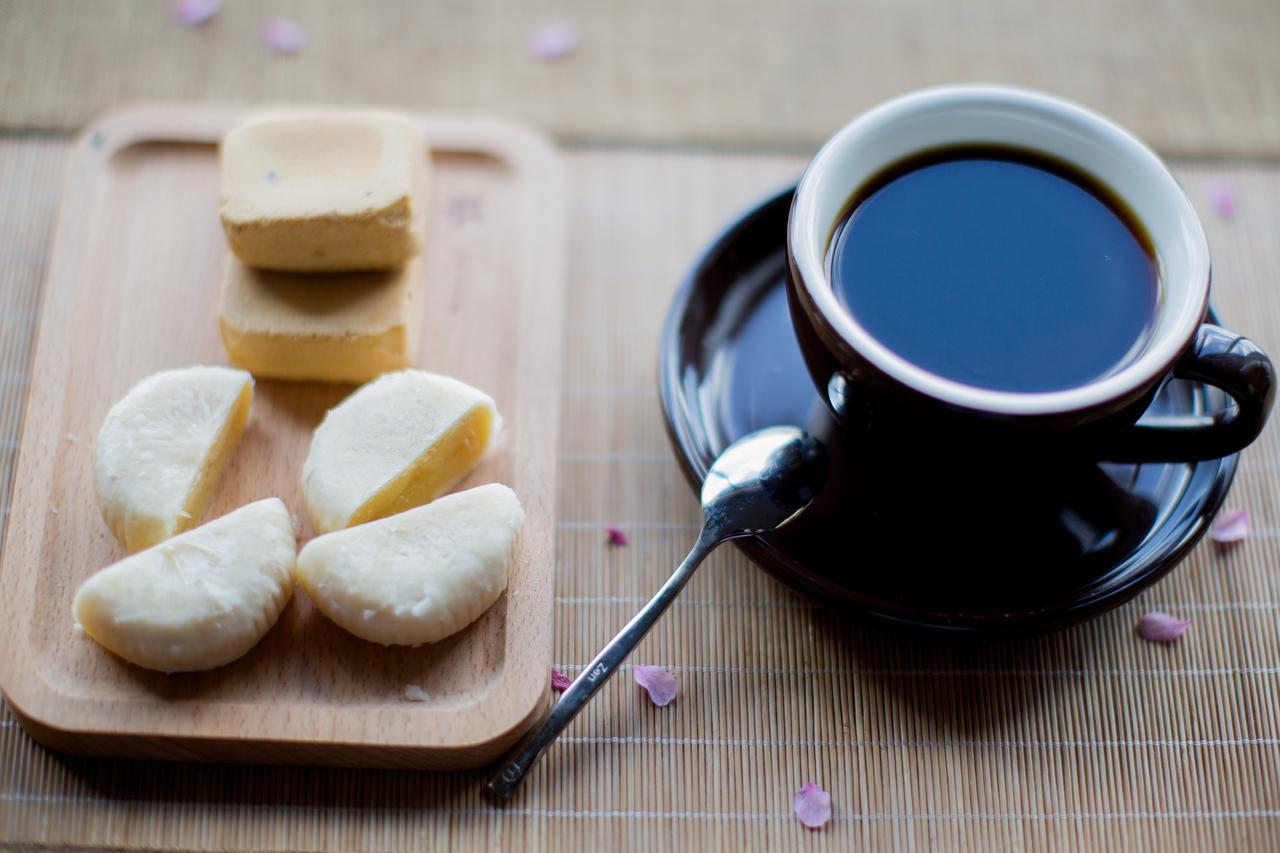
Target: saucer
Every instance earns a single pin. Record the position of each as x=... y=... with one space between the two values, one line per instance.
x=951 y=547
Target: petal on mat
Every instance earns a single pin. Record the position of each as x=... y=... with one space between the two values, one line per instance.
x=660 y=684
x=1231 y=525
x=193 y=13
x=553 y=39
x=1157 y=627
x=283 y=35
x=812 y=805
x=1223 y=200
x=559 y=681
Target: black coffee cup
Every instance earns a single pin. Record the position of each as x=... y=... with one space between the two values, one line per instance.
x=874 y=392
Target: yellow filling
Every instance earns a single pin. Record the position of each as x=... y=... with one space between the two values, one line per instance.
x=216 y=460
x=139 y=532
x=437 y=470
x=351 y=358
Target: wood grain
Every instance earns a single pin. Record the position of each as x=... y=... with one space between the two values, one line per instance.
x=1084 y=740
x=1191 y=78
x=133 y=288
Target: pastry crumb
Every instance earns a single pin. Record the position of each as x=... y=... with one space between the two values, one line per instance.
x=414 y=693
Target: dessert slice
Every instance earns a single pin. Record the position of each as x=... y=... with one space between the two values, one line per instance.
x=324 y=191
x=419 y=576
x=162 y=448
x=199 y=600
x=337 y=327
x=402 y=440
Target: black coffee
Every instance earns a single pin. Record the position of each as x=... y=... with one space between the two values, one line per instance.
x=998 y=268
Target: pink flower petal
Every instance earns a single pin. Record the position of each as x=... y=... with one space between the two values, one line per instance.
x=193 y=13
x=660 y=684
x=616 y=536
x=1223 y=200
x=1157 y=627
x=812 y=806
x=283 y=35
x=1231 y=525
x=559 y=681
x=553 y=39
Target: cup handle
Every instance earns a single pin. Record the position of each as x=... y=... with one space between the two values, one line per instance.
x=1225 y=360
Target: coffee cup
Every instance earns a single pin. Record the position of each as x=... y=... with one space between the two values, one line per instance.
x=877 y=393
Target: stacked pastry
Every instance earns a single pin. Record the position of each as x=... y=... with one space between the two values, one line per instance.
x=324 y=215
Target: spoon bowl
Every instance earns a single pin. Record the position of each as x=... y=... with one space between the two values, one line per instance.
x=762 y=481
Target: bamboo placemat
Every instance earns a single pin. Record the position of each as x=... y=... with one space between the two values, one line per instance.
x=1189 y=77
x=1086 y=739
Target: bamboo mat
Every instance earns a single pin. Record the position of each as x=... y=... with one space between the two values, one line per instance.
x=1189 y=77
x=1086 y=739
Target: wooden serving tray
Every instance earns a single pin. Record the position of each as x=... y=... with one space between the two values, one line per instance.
x=133 y=288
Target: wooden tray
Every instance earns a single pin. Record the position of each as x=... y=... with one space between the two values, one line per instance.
x=133 y=288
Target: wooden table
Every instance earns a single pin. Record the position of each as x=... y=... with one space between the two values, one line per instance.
x=674 y=115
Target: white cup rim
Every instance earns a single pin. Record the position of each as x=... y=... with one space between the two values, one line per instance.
x=1184 y=299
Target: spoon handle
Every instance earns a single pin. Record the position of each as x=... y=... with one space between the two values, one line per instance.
x=596 y=673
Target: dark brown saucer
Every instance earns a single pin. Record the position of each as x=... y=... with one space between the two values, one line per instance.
x=949 y=544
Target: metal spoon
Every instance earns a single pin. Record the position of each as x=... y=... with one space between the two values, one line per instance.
x=758 y=484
